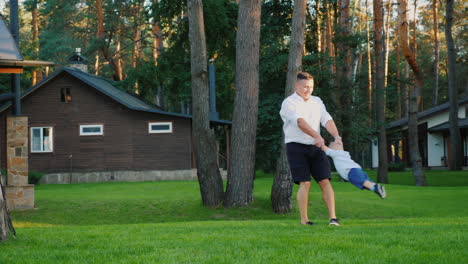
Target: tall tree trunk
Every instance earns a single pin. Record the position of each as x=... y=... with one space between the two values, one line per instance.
x=344 y=83
x=435 y=87
x=398 y=76
x=209 y=178
x=157 y=37
x=118 y=40
x=138 y=8
x=158 y=47
x=415 y=97
x=330 y=38
x=380 y=89
x=415 y=46
x=406 y=88
x=319 y=26
x=387 y=40
x=455 y=162
x=369 y=62
x=6 y=226
x=36 y=73
x=241 y=173
x=282 y=184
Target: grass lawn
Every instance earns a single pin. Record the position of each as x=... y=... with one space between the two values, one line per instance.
x=164 y=222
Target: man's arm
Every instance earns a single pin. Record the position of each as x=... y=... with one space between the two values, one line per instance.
x=333 y=130
x=305 y=127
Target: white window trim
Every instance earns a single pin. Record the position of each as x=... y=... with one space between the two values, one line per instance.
x=150 y=124
x=42 y=139
x=91 y=133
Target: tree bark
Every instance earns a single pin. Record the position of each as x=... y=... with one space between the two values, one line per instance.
x=369 y=63
x=118 y=44
x=242 y=165
x=405 y=93
x=435 y=88
x=380 y=89
x=209 y=178
x=282 y=184
x=415 y=45
x=387 y=39
x=6 y=226
x=398 y=76
x=157 y=38
x=36 y=73
x=330 y=37
x=455 y=162
x=344 y=83
x=415 y=97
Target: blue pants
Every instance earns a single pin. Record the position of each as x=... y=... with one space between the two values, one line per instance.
x=357 y=177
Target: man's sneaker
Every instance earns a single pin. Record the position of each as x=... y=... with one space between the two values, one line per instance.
x=380 y=191
x=334 y=222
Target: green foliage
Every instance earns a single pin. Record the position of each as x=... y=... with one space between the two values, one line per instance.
x=60 y=35
x=34 y=177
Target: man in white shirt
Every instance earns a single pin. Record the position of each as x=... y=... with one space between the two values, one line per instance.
x=302 y=115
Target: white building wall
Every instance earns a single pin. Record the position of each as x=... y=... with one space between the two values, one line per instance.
x=375 y=154
x=435 y=149
x=435 y=141
x=442 y=117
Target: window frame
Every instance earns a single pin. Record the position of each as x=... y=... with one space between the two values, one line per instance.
x=169 y=131
x=65 y=94
x=42 y=139
x=85 y=134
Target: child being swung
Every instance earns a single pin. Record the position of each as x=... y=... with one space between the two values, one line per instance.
x=350 y=170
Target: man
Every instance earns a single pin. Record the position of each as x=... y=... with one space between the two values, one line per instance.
x=302 y=115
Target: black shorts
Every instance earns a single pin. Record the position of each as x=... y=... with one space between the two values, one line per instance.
x=305 y=160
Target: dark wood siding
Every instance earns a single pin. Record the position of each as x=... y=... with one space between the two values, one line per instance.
x=125 y=145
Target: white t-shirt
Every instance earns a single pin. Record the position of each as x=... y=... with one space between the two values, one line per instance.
x=343 y=162
x=313 y=111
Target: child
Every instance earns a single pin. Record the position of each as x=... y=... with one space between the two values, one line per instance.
x=350 y=170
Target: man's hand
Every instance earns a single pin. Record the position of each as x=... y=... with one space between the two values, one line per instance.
x=319 y=142
x=338 y=140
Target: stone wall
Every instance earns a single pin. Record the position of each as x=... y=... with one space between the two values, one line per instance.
x=121 y=176
x=17 y=150
x=20 y=194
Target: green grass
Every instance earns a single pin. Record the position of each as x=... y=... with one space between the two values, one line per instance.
x=164 y=222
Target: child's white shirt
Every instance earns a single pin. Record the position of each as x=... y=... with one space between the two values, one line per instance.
x=343 y=162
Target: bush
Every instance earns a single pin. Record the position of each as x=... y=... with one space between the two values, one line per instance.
x=34 y=177
x=397 y=166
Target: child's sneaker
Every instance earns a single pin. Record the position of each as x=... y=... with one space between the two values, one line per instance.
x=380 y=191
x=334 y=222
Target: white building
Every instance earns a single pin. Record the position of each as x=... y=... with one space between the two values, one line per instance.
x=433 y=133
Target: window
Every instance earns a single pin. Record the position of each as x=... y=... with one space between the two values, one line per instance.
x=65 y=95
x=160 y=127
x=91 y=130
x=41 y=139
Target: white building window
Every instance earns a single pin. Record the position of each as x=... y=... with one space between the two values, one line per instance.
x=91 y=130
x=41 y=139
x=159 y=127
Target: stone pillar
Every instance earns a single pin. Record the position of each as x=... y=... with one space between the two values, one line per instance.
x=20 y=194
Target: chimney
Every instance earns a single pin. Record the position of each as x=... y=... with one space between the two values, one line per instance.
x=78 y=61
x=214 y=115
